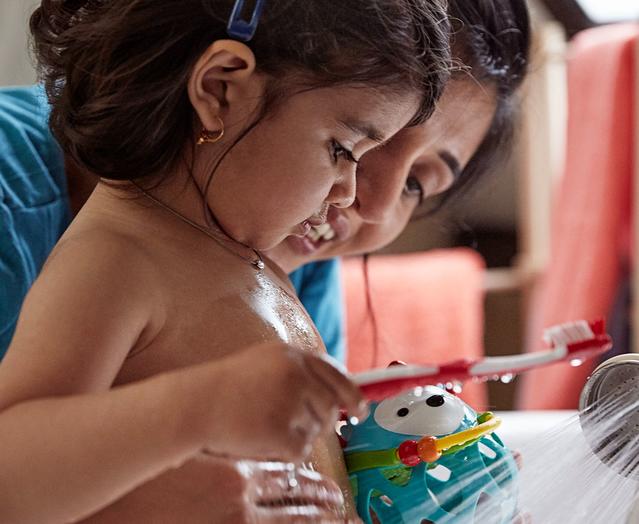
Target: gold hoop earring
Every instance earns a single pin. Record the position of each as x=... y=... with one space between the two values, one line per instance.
x=210 y=137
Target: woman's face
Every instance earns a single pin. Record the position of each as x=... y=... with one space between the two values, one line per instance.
x=282 y=177
x=392 y=180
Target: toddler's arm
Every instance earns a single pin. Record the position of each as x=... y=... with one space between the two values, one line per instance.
x=65 y=458
x=70 y=445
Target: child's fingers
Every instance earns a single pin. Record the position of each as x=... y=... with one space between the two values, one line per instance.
x=308 y=422
x=317 y=414
x=297 y=514
x=284 y=483
x=279 y=492
x=320 y=400
x=346 y=391
x=322 y=411
x=284 y=492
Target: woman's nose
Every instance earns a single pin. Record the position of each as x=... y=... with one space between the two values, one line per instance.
x=379 y=187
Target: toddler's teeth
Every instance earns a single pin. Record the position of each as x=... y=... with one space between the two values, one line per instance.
x=321 y=232
x=329 y=235
x=323 y=228
x=313 y=235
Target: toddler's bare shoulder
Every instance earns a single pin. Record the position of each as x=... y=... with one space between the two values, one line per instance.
x=105 y=254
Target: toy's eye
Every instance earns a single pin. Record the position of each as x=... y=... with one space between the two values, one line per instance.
x=402 y=412
x=434 y=401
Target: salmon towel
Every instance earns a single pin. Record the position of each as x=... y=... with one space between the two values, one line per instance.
x=428 y=308
x=592 y=213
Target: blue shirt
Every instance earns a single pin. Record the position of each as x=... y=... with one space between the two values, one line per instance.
x=319 y=287
x=34 y=208
x=35 y=211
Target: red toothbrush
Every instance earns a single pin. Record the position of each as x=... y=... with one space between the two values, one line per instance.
x=573 y=342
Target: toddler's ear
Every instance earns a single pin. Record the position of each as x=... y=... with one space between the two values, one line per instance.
x=224 y=84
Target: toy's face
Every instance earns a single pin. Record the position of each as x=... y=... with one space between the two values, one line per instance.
x=421 y=411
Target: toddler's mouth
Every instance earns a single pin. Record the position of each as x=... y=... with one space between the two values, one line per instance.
x=334 y=228
x=312 y=238
x=323 y=232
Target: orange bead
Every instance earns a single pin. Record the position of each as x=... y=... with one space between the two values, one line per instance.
x=427 y=450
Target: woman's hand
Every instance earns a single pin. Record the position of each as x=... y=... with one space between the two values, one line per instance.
x=272 y=401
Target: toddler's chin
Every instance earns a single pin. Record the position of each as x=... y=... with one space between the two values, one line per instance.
x=265 y=245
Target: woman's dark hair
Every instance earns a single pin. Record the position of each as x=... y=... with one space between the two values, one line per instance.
x=491 y=39
x=116 y=71
x=491 y=43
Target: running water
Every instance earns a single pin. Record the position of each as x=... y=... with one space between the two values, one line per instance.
x=584 y=471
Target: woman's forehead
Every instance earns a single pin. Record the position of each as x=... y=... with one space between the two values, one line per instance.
x=462 y=118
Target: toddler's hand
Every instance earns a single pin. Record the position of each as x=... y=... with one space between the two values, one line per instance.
x=278 y=400
x=219 y=489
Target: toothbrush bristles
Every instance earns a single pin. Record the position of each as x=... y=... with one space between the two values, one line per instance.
x=568 y=333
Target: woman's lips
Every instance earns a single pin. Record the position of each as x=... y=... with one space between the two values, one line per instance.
x=302 y=245
x=340 y=224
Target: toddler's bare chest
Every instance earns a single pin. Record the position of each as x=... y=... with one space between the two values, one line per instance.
x=213 y=319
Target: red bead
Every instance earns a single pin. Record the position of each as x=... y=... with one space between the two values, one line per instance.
x=408 y=453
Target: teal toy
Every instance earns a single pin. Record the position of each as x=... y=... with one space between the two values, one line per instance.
x=426 y=457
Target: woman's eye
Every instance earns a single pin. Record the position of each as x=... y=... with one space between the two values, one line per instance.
x=413 y=187
x=339 y=151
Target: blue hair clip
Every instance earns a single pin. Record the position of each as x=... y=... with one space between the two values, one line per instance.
x=241 y=29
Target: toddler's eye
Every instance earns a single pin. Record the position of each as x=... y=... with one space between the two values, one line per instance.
x=339 y=151
x=402 y=412
x=434 y=401
x=413 y=187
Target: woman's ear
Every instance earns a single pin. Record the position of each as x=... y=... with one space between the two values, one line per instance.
x=223 y=83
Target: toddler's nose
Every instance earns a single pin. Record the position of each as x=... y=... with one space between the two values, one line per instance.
x=342 y=193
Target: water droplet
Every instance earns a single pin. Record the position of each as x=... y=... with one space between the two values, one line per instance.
x=458 y=387
x=292 y=482
x=575 y=362
x=507 y=378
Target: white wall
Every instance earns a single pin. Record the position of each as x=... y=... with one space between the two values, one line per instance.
x=15 y=62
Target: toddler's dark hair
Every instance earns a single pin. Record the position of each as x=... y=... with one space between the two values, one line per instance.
x=116 y=71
